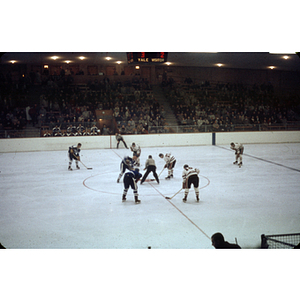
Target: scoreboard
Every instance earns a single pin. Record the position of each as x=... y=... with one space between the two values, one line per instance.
x=147 y=57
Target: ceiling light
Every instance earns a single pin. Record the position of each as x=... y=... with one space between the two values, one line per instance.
x=13 y=61
x=81 y=57
x=286 y=57
x=108 y=58
x=54 y=57
x=137 y=67
x=119 y=62
x=168 y=63
x=67 y=61
x=219 y=65
x=271 y=67
x=46 y=66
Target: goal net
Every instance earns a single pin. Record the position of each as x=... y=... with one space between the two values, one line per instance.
x=280 y=241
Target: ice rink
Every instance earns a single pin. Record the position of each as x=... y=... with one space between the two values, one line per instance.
x=45 y=206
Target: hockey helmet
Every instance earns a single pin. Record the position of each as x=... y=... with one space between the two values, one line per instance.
x=185 y=166
x=161 y=155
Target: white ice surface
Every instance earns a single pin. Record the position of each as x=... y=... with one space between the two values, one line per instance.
x=45 y=206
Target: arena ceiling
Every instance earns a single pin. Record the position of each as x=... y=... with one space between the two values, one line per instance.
x=240 y=60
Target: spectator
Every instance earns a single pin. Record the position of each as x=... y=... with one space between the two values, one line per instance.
x=219 y=242
x=105 y=130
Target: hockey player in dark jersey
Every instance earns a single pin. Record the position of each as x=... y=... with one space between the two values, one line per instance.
x=69 y=131
x=80 y=130
x=119 y=139
x=73 y=154
x=190 y=176
x=126 y=163
x=95 y=130
x=170 y=163
x=56 y=131
x=130 y=180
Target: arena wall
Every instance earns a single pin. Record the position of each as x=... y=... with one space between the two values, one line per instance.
x=148 y=140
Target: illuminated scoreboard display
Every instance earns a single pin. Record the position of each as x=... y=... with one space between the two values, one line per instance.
x=147 y=57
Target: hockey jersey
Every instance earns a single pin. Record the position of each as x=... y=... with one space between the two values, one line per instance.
x=136 y=149
x=238 y=147
x=74 y=151
x=169 y=158
x=187 y=173
x=134 y=174
x=128 y=162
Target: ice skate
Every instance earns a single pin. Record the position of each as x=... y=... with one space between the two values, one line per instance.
x=137 y=201
x=77 y=167
x=240 y=164
x=197 y=198
x=235 y=162
x=184 y=199
x=124 y=198
x=168 y=177
x=70 y=169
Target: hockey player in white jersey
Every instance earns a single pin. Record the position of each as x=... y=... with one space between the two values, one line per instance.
x=239 y=150
x=170 y=163
x=136 y=149
x=190 y=176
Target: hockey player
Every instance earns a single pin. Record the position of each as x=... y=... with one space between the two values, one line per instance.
x=56 y=131
x=170 y=163
x=126 y=163
x=136 y=149
x=95 y=130
x=119 y=139
x=239 y=150
x=47 y=133
x=80 y=130
x=150 y=167
x=74 y=130
x=74 y=154
x=130 y=180
x=69 y=130
x=190 y=176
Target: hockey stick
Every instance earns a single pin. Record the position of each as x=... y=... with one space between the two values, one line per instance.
x=169 y=198
x=161 y=172
x=86 y=166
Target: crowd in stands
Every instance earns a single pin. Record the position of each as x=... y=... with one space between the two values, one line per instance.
x=54 y=102
x=223 y=107
x=66 y=107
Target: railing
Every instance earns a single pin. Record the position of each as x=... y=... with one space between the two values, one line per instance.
x=39 y=132
x=223 y=128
